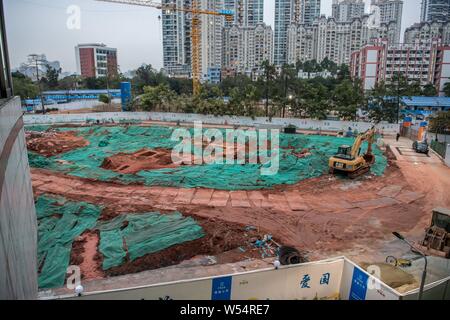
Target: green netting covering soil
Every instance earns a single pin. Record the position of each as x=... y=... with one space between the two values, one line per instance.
x=59 y=223
x=108 y=141
x=144 y=233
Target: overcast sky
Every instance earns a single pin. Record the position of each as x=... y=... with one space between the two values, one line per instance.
x=40 y=26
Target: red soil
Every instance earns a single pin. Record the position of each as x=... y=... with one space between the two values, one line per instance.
x=51 y=143
x=143 y=159
x=221 y=240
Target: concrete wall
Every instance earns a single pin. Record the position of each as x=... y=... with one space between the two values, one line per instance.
x=305 y=124
x=447 y=155
x=76 y=105
x=18 y=229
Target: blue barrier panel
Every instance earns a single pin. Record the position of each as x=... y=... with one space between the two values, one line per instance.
x=125 y=90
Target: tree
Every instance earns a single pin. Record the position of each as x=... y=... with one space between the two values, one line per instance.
x=343 y=72
x=93 y=83
x=429 y=90
x=382 y=105
x=286 y=81
x=329 y=65
x=447 y=89
x=104 y=98
x=440 y=123
x=243 y=101
x=312 y=66
x=158 y=98
x=24 y=86
x=347 y=98
x=269 y=75
x=52 y=76
x=69 y=82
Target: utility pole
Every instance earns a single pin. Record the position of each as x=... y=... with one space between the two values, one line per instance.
x=35 y=60
x=398 y=97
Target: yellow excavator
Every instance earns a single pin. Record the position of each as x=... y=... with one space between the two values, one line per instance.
x=348 y=159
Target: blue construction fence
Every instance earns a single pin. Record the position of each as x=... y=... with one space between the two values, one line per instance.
x=53 y=98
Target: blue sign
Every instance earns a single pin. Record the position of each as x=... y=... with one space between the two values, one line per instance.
x=125 y=90
x=423 y=124
x=221 y=288
x=358 y=289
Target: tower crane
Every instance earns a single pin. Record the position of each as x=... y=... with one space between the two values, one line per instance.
x=195 y=32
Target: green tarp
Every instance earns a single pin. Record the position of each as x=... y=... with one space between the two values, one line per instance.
x=144 y=233
x=59 y=223
x=108 y=141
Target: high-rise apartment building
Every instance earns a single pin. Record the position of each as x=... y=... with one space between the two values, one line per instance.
x=426 y=32
x=248 y=42
x=388 y=13
x=245 y=48
x=311 y=11
x=96 y=60
x=424 y=63
x=176 y=29
x=211 y=39
x=435 y=10
x=327 y=38
x=347 y=10
x=289 y=12
x=246 y=12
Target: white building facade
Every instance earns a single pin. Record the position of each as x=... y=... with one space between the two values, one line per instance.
x=388 y=13
x=425 y=32
x=288 y=12
x=327 y=38
x=245 y=48
x=424 y=63
x=176 y=28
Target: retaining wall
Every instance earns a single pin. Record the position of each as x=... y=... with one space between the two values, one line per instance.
x=304 y=124
x=18 y=226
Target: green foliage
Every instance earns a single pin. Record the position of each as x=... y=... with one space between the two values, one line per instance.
x=447 y=89
x=440 y=123
x=383 y=103
x=159 y=98
x=24 y=87
x=429 y=90
x=347 y=98
x=104 y=98
x=51 y=77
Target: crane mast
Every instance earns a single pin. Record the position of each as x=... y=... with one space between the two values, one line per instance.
x=195 y=33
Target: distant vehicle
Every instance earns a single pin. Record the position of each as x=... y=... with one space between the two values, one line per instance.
x=421 y=147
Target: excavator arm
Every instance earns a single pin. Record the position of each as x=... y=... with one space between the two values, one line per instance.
x=348 y=159
x=368 y=136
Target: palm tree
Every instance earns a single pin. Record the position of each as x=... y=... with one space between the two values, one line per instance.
x=269 y=76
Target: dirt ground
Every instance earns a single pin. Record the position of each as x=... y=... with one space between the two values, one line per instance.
x=144 y=159
x=51 y=143
x=323 y=217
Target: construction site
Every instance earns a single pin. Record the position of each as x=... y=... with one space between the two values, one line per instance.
x=110 y=200
x=127 y=202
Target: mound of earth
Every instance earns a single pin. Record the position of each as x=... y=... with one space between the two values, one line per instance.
x=51 y=143
x=144 y=159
